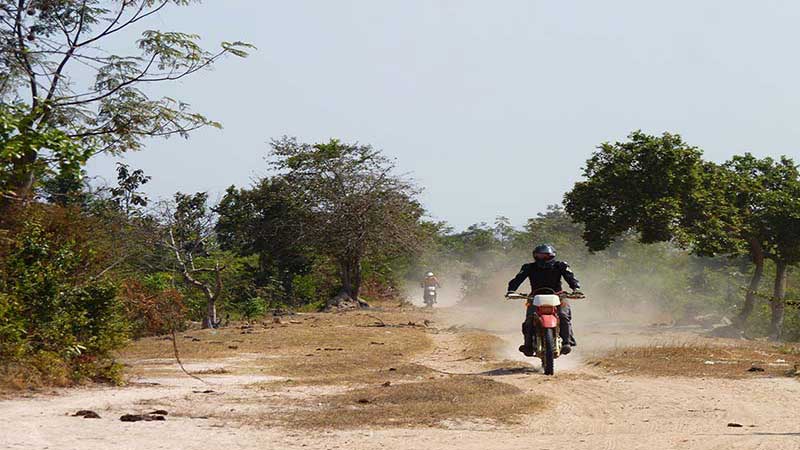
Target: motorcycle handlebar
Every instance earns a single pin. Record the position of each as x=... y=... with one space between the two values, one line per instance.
x=568 y=295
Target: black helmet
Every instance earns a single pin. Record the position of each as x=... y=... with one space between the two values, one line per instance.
x=544 y=253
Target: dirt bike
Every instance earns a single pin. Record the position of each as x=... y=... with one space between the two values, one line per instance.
x=429 y=296
x=547 y=345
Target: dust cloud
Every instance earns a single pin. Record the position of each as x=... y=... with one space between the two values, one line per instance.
x=449 y=294
x=603 y=321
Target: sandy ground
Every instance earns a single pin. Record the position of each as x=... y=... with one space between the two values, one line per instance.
x=587 y=409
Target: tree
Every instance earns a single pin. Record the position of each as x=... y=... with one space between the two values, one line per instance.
x=126 y=194
x=750 y=206
x=189 y=235
x=767 y=196
x=556 y=227
x=640 y=185
x=47 y=46
x=60 y=155
x=353 y=204
x=661 y=189
x=265 y=220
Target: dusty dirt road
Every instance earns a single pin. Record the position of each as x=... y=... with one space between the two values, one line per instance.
x=585 y=407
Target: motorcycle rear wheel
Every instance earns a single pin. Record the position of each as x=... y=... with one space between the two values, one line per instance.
x=549 y=351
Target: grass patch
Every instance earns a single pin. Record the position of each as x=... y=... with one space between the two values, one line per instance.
x=712 y=360
x=324 y=348
x=428 y=402
x=480 y=345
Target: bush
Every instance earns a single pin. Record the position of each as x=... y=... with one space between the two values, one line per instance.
x=152 y=307
x=56 y=318
x=254 y=307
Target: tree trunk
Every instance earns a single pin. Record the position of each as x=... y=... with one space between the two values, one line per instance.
x=757 y=256
x=210 y=321
x=351 y=277
x=778 y=298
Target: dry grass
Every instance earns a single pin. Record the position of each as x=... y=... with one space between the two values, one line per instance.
x=429 y=402
x=480 y=345
x=716 y=359
x=341 y=371
x=308 y=348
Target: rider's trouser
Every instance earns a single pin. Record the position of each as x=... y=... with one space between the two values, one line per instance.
x=564 y=323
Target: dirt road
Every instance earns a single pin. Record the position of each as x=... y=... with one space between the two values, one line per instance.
x=584 y=407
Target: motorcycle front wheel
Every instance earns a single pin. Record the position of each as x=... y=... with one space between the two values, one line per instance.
x=549 y=351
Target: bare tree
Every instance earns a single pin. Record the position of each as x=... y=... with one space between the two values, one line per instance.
x=189 y=236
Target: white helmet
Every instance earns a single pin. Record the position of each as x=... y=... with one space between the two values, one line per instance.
x=429 y=274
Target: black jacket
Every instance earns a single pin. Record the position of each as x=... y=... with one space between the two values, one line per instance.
x=548 y=276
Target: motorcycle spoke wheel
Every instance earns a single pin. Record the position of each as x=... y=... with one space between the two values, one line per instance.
x=549 y=351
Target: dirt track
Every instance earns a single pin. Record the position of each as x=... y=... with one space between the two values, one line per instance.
x=587 y=408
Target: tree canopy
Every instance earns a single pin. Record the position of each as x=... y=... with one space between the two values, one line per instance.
x=46 y=49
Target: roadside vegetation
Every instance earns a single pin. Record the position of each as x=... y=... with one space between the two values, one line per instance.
x=86 y=268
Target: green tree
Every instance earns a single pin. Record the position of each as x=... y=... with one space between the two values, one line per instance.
x=46 y=47
x=642 y=185
x=126 y=194
x=59 y=155
x=661 y=189
x=354 y=205
x=767 y=199
x=266 y=220
x=556 y=227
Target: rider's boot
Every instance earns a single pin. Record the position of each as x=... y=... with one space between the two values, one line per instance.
x=527 y=347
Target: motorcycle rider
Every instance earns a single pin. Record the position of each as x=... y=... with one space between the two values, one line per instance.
x=546 y=272
x=430 y=280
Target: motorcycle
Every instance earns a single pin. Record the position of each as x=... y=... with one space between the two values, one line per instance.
x=547 y=345
x=429 y=296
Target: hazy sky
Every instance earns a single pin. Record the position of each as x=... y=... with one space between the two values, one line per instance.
x=492 y=106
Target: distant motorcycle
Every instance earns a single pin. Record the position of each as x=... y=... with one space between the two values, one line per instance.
x=547 y=345
x=429 y=296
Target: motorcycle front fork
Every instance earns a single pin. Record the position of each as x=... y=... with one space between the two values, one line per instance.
x=535 y=338
x=539 y=347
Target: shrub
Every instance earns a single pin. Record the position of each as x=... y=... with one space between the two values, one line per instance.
x=254 y=307
x=56 y=318
x=153 y=307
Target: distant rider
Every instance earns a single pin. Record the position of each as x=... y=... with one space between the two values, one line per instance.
x=430 y=280
x=546 y=272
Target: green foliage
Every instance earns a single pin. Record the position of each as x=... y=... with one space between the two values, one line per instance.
x=254 y=307
x=48 y=47
x=265 y=220
x=767 y=196
x=58 y=154
x=332 y=203
x=660 y=189
x=50 y=309
x=126 y=194
x=639 y=185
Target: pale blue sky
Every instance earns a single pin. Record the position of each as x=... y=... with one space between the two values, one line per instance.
x=492 y=106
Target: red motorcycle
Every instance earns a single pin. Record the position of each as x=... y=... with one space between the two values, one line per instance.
x=547 y=345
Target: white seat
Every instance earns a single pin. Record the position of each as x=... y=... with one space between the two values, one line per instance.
x=546 y=300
